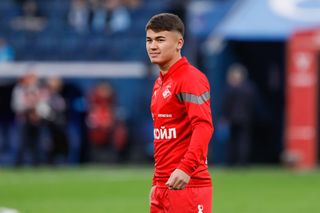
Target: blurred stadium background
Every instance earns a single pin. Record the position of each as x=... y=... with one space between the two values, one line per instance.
x=83 y=139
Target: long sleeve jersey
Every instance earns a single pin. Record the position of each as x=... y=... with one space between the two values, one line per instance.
x=181 y=113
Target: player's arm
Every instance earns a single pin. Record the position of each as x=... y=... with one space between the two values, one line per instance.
x=196 y=97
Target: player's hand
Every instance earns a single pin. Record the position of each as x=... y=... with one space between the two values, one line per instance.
x=178 y=180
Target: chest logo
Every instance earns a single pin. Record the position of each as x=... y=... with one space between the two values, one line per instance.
x=166 y=93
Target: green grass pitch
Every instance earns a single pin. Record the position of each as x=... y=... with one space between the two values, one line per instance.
x=125 y=190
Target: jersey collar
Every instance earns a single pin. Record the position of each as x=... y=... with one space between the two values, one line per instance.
x=174 y=68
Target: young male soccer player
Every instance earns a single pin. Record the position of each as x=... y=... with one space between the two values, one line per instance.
x=181 y=114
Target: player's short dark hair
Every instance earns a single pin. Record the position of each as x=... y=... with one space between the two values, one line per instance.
x=165 y=22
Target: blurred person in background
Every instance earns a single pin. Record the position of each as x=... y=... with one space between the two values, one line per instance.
x=117 y=16
x=26 y=99
x=182 y=119
x=106 y=131
x=76 y=107
x=6 y=86
x=97 y=16
x=78 y=15
x=56 y=121
x=30 y=18
x=133 y=4
x=179 y=7
x=135 y=8
x=238 y=109
x=6 y=116
x=110 y=16
x=6 y=51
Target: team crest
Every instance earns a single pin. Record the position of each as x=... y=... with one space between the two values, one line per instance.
x=166 y=93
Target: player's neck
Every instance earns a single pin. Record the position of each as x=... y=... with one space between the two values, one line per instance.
x=165 y=68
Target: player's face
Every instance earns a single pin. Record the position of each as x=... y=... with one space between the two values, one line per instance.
x=163 y=47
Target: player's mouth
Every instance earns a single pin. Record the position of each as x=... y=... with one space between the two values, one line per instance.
x=153 y=55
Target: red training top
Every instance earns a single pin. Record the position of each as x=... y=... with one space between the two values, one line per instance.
x=183 y=127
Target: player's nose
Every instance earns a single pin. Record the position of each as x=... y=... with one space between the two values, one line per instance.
x=153 y=45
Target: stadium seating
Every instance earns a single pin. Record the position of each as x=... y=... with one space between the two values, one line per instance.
x=58 y=41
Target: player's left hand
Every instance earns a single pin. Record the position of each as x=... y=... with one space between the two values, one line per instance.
x=178 y=180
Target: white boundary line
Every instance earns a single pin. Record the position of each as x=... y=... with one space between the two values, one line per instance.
x=7 y=210
x=75 y=69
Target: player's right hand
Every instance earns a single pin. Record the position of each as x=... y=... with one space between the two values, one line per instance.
x=178 y=180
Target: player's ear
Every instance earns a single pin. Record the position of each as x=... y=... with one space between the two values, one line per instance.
x=180 y=43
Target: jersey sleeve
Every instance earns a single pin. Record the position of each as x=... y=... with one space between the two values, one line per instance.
x=195 y=95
